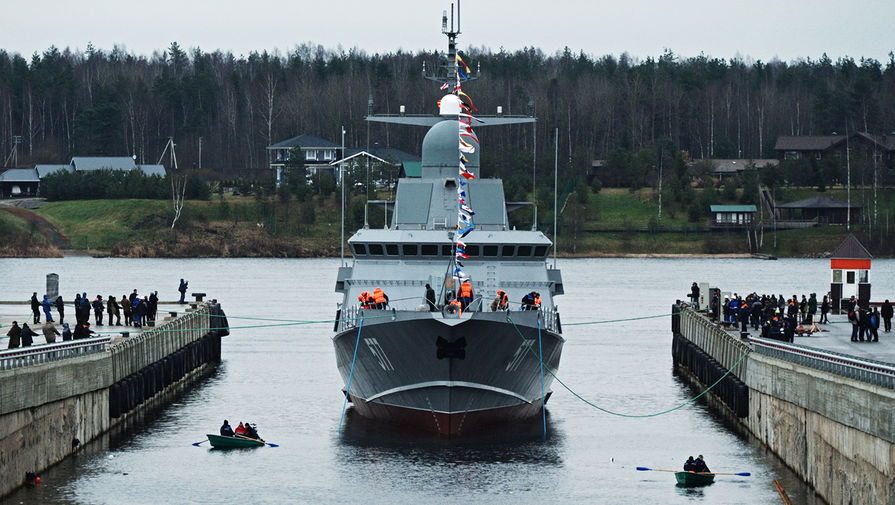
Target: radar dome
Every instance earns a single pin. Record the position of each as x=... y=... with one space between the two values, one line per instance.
x=441 y=151
x=450 y=105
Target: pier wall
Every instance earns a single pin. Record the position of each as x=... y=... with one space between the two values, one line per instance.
x=836 y=432
x=48 y=410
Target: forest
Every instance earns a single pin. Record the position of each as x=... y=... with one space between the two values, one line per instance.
x=111 y=102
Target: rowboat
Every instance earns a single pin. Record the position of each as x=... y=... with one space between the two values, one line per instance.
x=219 y=442
x=693 y=479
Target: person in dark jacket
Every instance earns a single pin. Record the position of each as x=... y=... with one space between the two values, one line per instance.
x=77 y=307
x=694 y=295
x=226 y=429
x=690 y=464
x=98 y=308
x=182 y=288
x=873 y=326
x=113 y=310
x=141 y=307
x=128 y=308
x=886 y=314
x=60 y=307
x=83 y=331
x=27 y=335
x=430 y=298
x=152 y=308
x=35 y=308
x=66 y=332
x=15 y=336
x=700 y=465
x=824 y=309
x=85 y=309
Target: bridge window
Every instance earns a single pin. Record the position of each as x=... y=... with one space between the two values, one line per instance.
x=489 y=250
x=391 y=249
x=447 y=250
x=410 y=249
x=524 y=251
x=541 y=251
x=472 y=250
x=508 y=251
x=430 y=250
x=359 y=249
x=376 y=249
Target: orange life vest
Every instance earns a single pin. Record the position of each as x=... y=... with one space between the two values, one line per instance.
x=537 y=301
x=457 y=304
x=503 y=297
x=466 y=289
x=378 y=296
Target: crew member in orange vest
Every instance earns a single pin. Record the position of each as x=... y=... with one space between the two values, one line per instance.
x=380 y=299
x=500 y=302
x=465 y=294
x=459 y=307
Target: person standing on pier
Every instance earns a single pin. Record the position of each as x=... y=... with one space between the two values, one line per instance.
x=60 y=307
x=50 y=332
x=152 y=307
x=35 y=308
x=66 y=332
x=128 y=310
x=47 y=306
x=112 y=307
x=853 y=319
x=824 y=309
x=15 y=336
x=873 y=327
x=182 y=288
x=98 y=309
x=27 y=335
x=812 y=307
x=694 y=294
x=886 y=314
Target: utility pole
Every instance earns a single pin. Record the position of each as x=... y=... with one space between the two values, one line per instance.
x=200 y=153
x=342 y=183
x=660 y=185
x=555 y=189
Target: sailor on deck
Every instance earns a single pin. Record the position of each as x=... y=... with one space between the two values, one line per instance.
x=500 y=302
x=380 y=299
x=465 y=294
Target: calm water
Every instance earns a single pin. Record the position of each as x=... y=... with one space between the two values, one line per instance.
x=284 y=378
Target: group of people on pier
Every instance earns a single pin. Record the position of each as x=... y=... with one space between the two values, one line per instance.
x=782 y=318
x=137 y=311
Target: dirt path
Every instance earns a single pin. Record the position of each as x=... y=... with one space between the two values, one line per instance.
x=39 y=224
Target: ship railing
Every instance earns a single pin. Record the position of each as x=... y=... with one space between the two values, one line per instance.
x=866 y=370
x=34 y=355
x=550 y=319
x=349 y=317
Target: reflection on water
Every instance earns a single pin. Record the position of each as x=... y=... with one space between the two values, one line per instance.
x=285 y=380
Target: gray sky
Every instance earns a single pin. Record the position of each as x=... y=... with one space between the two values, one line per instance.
x=760 y=29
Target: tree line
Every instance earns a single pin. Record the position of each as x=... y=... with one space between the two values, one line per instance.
x=111 y=102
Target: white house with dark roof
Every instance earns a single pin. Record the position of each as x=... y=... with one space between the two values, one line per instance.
x=317 y=154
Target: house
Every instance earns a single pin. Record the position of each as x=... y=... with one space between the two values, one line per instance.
x=877 y=149
x=722 y=168
x=821 y=209
x=317 y=154
x=733 y=216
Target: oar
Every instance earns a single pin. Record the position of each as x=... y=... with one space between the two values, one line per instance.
x=199 y=443
x=645 y=469
x=257 y=440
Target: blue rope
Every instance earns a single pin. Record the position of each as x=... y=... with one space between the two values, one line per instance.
x=543 y=398
x=350 y=374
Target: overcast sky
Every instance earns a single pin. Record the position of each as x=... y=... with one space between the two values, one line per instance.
x=760 y=29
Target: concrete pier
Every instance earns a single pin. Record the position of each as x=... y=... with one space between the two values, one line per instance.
x=56 y=397
x=824 y=405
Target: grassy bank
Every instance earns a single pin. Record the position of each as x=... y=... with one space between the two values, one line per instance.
x=612 y=222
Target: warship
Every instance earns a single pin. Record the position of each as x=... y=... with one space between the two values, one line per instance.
x=438 y=367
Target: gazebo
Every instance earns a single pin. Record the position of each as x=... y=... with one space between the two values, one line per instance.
x=850 y=269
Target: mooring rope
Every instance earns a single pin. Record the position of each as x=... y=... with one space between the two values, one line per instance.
x=607 y=411
x=350 y=375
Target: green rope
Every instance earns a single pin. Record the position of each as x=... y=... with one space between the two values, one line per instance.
x=607 y=411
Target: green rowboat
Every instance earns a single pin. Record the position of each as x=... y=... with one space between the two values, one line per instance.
x=219 y=442
x=692 y=479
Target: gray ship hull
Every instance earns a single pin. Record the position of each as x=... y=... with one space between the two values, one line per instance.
x=445 y=375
